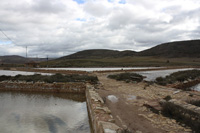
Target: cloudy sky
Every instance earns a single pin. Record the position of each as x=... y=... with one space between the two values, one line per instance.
x=61 y=27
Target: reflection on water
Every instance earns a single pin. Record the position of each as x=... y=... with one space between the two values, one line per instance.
x=14 y=73
x=100 y=68
x=196 y=87
x=38 y=113
x=152 y=75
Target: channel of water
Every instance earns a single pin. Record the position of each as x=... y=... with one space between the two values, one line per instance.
x=43 y=113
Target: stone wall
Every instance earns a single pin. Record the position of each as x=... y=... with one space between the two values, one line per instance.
x=186 y=113
x=100 y=116
x=186 y=109
x=101 y=119
x=43 y=87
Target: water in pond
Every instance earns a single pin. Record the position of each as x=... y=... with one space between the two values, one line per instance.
x=152 y=75
x=42 y=113
x=14 y=73
x=196 y=87
x=100 y=69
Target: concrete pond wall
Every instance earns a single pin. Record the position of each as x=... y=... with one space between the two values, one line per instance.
x=190 y=110
x=101 y=119
x=187 y=113
x=100 y=116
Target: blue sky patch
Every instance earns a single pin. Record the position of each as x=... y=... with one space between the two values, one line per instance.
x=80 y=1
x=111 y=1
x=5 y=42
x=81 y=19
x=122 y=2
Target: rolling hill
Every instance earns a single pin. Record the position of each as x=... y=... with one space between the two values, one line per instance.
x=174 y=49
x=99 y=53
x=167 y=54
x=173 y=53
x=15 y=59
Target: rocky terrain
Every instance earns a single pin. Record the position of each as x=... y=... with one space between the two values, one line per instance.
x=136 y=107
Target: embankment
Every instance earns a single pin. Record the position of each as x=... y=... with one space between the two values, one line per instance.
x=43 y=87
x=185 y=85
x=101 y=119
x=181 y=111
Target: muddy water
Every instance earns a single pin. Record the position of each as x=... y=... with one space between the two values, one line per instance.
x=43 y=113
x=100 y=69
x=152 y=75
x=196 y=87
x=14 y=73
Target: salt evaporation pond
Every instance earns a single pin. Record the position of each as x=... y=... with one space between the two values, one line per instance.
x=100 y=69
x=42 y=113
x=14 y=73
x=152 y=75
x=196 y=87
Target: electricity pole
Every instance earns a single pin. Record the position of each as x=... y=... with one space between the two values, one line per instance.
x=26 y=58
x=26 y=52
x=47 y=60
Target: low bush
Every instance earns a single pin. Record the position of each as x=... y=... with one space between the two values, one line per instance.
x=6 y=68
x=161 y=81
x=53 y=78
x=128 y=77
x=180 y=76
x=167 y=98
x=194 y=102
x=3 y=77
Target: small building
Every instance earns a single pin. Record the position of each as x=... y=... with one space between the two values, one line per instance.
x=32 y=64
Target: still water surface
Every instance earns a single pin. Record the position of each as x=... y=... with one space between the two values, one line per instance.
x=42 y=113
x=14 y=73
x=196 y=87
x=101 y=68
x=152 y=75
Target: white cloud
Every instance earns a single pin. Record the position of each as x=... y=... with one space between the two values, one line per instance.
x=57 y=27
x=97 y=9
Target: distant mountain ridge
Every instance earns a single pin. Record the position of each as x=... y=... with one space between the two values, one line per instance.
x=99 y=53
x=179 y=49
x=172 y=50
x=15 y=59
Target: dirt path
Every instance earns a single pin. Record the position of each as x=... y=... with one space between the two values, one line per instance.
x=130 y=111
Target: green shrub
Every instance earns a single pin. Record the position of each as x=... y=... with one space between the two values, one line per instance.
x=127 y=77
x=195 y=102
x=4 y=77
x=167 y=98
x=161 y=81
x=180 y=76
x=52 y=78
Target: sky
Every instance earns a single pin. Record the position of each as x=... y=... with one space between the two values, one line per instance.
x=61 y=27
